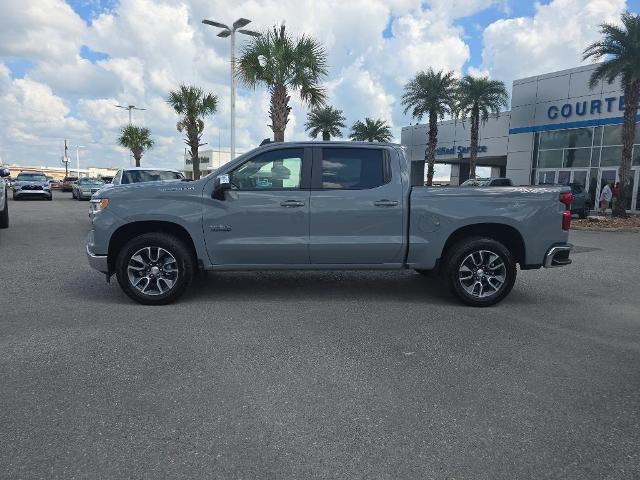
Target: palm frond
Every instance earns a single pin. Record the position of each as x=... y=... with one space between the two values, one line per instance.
x=371 y=131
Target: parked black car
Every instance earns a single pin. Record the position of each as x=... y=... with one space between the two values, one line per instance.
x=581 y=203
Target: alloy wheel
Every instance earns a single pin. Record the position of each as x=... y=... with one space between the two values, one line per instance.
x=482 y=273
x=152 y=271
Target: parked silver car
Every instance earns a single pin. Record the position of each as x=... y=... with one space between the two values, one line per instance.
x=31 y=184
x=85 y=187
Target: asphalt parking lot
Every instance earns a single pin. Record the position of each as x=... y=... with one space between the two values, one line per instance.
x=313 y=375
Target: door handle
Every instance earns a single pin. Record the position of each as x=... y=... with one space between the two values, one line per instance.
x=292 y=203
x=385 y=203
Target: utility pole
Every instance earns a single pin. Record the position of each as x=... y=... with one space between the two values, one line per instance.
x=231 y=32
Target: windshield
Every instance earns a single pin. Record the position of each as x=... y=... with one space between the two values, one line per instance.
x=137 y=176
x=31 y=177
x=90 y=181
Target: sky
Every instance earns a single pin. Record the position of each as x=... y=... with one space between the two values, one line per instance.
x=65 y=65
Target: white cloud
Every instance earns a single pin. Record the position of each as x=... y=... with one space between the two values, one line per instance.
x=44 y=29
x=152 y=46
x=553 y=39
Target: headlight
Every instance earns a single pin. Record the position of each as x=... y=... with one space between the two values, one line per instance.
x=99 y=204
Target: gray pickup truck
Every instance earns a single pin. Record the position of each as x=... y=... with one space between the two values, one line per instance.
x=321 y=205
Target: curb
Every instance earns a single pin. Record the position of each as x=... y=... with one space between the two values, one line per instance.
x=605 y=229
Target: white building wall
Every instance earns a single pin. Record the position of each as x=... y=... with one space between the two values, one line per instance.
x=555 y=101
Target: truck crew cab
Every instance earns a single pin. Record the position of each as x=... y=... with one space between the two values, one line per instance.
x=324 y=205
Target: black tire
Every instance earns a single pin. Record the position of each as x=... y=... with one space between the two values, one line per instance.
x=73 y=194
x=184 y=263
x=4 y=214
x=461 y=253
x=584 y=213
x=50 y=197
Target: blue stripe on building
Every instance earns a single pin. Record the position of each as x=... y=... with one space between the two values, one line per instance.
x=562 y=126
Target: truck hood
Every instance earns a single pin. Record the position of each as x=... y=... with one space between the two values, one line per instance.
x=149 y=188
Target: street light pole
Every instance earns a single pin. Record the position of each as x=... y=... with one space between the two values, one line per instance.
x=231 y=32
x=78 y=147
x=130 y=107
x=232 y=147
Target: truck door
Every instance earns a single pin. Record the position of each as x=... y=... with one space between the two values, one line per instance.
x=356 y=207
x=264 y=219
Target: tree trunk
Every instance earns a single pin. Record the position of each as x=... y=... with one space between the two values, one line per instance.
x=475 y=129
x=432 y=141
x=631 y=98
x=137 y=155
x=279 y=111
x=195 y=161
x=325 y=136
x=193 y=141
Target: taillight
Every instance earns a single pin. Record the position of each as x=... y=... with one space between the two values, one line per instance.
x=566 y=198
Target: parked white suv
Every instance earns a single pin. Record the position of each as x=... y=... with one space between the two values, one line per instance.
x=128 y=175
x=4 y=204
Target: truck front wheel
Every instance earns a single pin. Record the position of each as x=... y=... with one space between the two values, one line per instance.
x=480 y=271
x=154 y=268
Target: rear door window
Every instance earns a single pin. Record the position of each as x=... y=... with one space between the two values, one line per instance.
x=353 y=168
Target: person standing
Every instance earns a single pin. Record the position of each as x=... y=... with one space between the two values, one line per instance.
x=605 y=197
x=615 y=194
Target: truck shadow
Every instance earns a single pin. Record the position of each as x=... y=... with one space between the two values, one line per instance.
x=319 y=286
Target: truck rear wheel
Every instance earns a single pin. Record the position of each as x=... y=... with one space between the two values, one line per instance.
x=154 y=268
x=480 y=271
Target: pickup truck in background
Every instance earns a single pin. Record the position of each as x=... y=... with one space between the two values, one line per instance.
x=324 y=205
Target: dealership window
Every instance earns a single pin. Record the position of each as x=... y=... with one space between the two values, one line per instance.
x=610 y=156
x=612 y=135
x=577 y=157
x=636 y=155
x=574 y=138
x=550 y=159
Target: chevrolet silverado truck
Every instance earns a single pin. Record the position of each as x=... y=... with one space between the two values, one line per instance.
x=325 y=205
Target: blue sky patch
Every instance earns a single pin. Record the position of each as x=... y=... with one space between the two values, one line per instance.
x=92 y=55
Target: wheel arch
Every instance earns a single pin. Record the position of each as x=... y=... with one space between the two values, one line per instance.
x=508 y=235
x=131 y=230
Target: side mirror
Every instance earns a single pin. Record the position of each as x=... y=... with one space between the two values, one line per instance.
x=4 y=172
x=221 y=184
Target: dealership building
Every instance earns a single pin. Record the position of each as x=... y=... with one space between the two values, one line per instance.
x=559 y=130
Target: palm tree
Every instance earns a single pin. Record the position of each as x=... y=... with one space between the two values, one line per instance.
x=136 y=139
x=193 y=104
x=477 y=98
x=620 y=45
x=432 y=94
x=371 y=131
x=284 y=65
x=326 y=120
